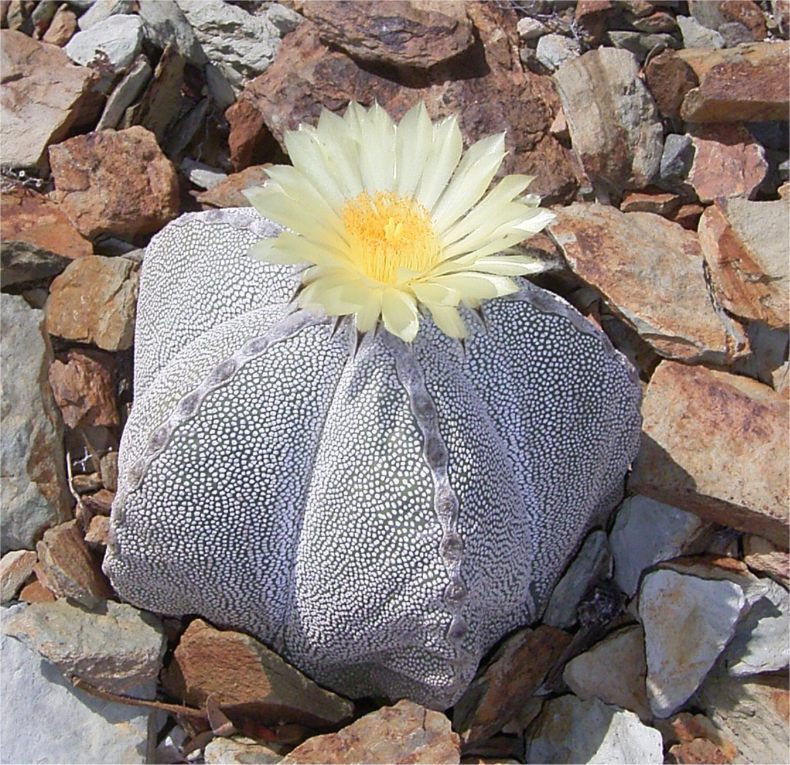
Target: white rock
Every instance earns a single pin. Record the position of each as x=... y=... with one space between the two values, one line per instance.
x=48 y=721
x=571 y=730
x=687 y=623
x=125 y=93
x=530 y=29
x=164 y=22
x=285 y=19
x=110 y=44
x=201 y=174
x=103 y=9
x=592 y=563
x=646 y=532
x=238 y=750
x=553 y=50
x=697 y=36
x=33 y=494
x=239 y=44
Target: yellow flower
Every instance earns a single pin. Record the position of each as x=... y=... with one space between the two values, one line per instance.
x=392 y=218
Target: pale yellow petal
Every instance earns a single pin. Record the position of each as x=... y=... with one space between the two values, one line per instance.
x=308 y=156
x=297 y=249
x=475 y=287
x=435 y=294
x=342 y=152
x=377 y=151
x=368 y=315
x=399 y=312
x=414 y=138
x=448 y=320
x=508 y=265
x=537 y=221
x=441 y=162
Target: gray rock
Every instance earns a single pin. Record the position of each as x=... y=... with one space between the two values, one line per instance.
x=695 y=35
x=639 y=43
x=706 y=13
x=219 y=88
x=676 y=159
x=239 y=44
x=125 y=93
x=646 y=532
x=768 y=359
x=284 y=19
x=33 y=493
x=530 y=29
x=239 y=751
x=592 y=563
x=103 y=9
x=48 y=721
x=15 y=567
x=687 y=623
x=202 y=175
x=734 y=33
x=571 y=730
x=553 y=50
x=165 y=23
x=614 y=124
x=116 y=648
x=25 y=262
x=111 y=44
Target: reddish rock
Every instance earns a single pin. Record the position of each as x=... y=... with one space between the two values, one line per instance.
x=650 y=271
x=243 y=675
x=115 y=182
x=591 y=17
x=36 y=592
x=62 y=27
x=44 y=98
x=84 y=386
x=249 y=137
x=698 y=751
x=748 y=13
x=500 y=692
x=68 y=567
x=404 y=733
x=99 y=503
x=728 y=162
x=767 y=558
x=715 y=444
x=99 y=531
x=655 y=201
x=669 y=77
x=26 y=216
x=410 y=33
x=15 y=567
x=94 y=301
x=227 y=193
x=688 y=215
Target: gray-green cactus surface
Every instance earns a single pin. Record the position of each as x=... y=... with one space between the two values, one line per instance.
x=380 y=517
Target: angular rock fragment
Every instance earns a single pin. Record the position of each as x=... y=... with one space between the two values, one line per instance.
x=108 y=46
x=239 y=672
x=715 y=444
x=15 y=567
x=403 y=733
x=227 y=193
x=652 y=200
x=125 y=93
x=164 y=24
x=612 y=117
x=238 y=751
x=33 y=490
x=84 y=386
x=94 y=301
x=117 y=183
x=697 y=36
x=44 y=97
x=117 y=649
x=554 y=50
x=767 y=558
x=100 y=10
x=62 y=27
x=651 y=273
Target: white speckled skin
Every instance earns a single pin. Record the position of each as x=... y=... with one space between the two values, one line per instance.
x=379 y=519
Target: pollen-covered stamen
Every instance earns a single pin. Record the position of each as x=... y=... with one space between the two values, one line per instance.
x=387 y=232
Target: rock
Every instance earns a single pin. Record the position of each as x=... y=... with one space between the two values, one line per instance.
x=653 y=23
x=765 y=557
x=202 y=175
x=591 y=17
x=641 y=44
x=616 y=133
x=164 y=24
x=117 y=183
x=697 y=36
x=94 y=301
x=284 y=19
x=652 y=201
x=36 y=592
x=235 y=669
x=398 y=33
x=38 y=240
x=728 y=162
x=109 y=470
x=103 y=9
x=768 y=361
x=687 y=623
x=403 y=733
x=239 y=44
x=688 y=216
x=676 y=159
x=98 y=532
x=117 y=649
x=715 y=444
x=650 y=272
x=125 y=93
x=68 y=567
x=77 y=727
x=238 y=750
x=591 y=564
x=33 y=485
x=554 y=50
x=698 y=750
x=685 y=728
x=109 y=46
x=748 y=14
x=744 y=246
x=647 y=532
x=572 y=730
x=613 y=671
x=750 y=712
x=499 y=693
x=62 y=27
x=84 y=386
x=530 y=29
x=669 y=78
x=227 y=193
x=15 y=567
x=44 y=98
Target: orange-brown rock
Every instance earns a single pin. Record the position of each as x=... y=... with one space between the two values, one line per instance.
x=669 y=77
x=404 y=733
x=27 y=216
x=745 y=247
x=68 y=568
x=84 y=386
x=227 y=193
x=36 y=592
x=651 y=200
x=94 y=301
x=698 y=751
x=747 y=13
x=688 y=215
x=99 y=531
x=716 y=444
x=591 y=17
x=62 y=27
x=115 y=182
x=413 y=33
x=767 y=558
x=514 y=673
x=650 y=272
x=245 y=677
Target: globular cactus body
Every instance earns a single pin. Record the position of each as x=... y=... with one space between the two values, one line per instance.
x=382 y=517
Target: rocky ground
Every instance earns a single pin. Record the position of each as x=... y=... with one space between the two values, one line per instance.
x=656 y=130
